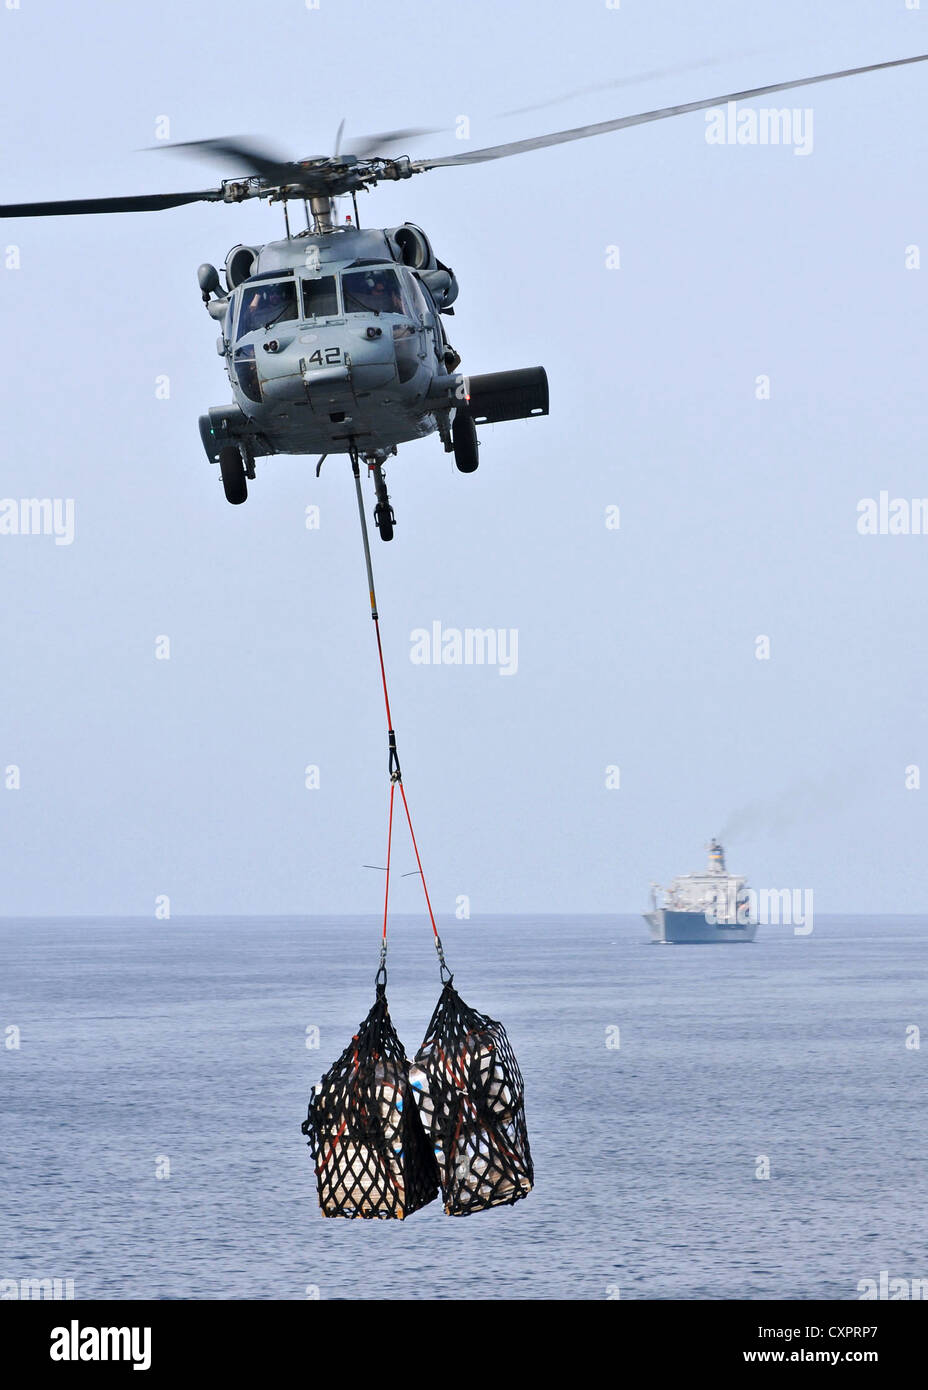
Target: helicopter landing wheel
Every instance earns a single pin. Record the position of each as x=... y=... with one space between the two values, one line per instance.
x=464 y=441
x=232 y=468
x=384 y=520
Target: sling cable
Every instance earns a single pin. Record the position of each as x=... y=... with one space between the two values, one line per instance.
x=393 y=765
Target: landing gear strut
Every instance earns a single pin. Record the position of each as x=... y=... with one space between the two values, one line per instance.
x=384 y=517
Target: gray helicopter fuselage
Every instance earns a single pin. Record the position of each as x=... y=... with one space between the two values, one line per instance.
x=330 y=371
x=336 y=370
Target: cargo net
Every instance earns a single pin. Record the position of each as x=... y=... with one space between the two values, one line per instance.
x=470 y=1094
x=371 y=1155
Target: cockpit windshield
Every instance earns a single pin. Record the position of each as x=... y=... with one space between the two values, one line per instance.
x=264 y=304
x=319 y=299
x=372 y=291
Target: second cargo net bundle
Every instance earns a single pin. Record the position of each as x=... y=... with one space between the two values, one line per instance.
x=386 y=1133
x=469 y=1089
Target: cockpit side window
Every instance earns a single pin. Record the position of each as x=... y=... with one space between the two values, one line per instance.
x=319 y=298
x=371 y=291
x=231 y=309
x=414 y=291
x=264 y=304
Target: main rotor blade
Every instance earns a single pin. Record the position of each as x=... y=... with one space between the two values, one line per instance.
x=256 y=159
x=633 y=81
x=363 y=146
x=561 y=137
x=145 y=202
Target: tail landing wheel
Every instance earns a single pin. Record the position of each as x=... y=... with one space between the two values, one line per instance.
x=384 y=518
x=384 y=521
x=232 y=468
x=464 y=441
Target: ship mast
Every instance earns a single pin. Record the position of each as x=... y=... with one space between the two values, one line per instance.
x=716 y=864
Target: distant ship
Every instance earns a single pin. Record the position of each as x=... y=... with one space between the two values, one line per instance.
x=699 y=909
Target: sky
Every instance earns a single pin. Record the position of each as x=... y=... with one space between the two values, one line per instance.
x=734 y=339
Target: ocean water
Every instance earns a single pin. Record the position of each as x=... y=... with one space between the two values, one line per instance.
x=185 y=1041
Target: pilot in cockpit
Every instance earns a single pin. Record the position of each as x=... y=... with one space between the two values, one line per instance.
x=385 y=296
x=266 y=305
x=267 y=298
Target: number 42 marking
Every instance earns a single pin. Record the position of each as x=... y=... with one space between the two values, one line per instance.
x=332 y=355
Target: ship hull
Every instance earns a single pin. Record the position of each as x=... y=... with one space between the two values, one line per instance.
x=669 y=928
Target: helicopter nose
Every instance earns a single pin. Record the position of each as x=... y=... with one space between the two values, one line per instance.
x=357 y=358
x=325 y=364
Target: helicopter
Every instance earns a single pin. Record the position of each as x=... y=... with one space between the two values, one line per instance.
x=333 y=337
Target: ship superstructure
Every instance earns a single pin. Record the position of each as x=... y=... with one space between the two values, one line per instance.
x=702 y=909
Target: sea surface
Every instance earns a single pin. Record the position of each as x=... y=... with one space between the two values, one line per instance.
x=184 y=1043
